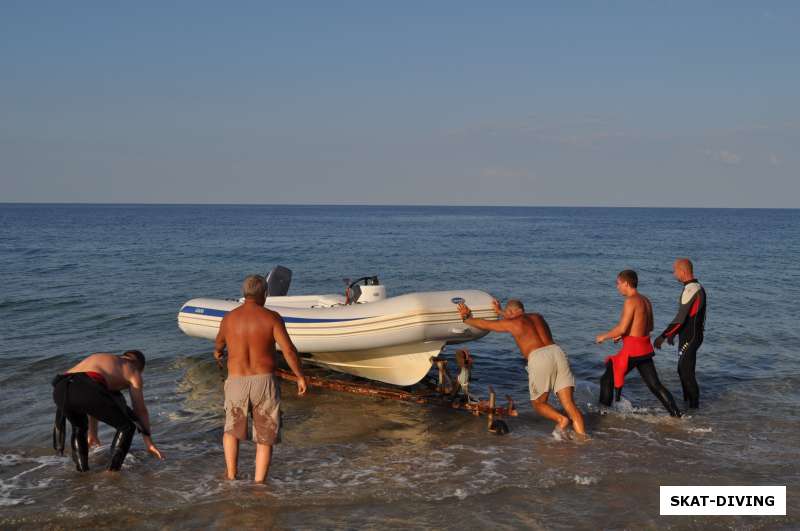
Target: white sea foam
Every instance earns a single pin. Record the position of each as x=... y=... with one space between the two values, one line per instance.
x=633 y=432
x=680 y=441
x=585 y=480
x=18 y=489
x=478 y=450
x=16 y=459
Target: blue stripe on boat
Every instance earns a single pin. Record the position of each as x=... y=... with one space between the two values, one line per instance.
x=195 y=310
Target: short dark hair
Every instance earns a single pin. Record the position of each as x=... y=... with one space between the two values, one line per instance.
x=137 y=354
x=630 y=277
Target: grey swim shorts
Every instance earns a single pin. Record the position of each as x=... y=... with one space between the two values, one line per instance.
x=259 y=395
x=548 y=370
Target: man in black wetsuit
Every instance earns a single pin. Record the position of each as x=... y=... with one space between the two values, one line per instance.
x=689 y=325
x=91 y=390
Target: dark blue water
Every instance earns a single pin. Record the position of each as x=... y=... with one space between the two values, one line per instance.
x=76 y=279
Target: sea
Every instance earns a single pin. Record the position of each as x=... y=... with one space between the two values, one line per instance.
x=79 y=278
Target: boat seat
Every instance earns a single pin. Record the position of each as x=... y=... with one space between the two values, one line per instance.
x=278 y=281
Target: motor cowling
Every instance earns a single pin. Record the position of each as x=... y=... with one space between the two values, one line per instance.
x=372 y=293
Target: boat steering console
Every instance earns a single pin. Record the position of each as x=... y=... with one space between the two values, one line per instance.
x=370 y=291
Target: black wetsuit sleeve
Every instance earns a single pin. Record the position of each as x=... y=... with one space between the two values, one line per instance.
x=683 y=310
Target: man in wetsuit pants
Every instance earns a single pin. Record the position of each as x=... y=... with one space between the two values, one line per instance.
x=548 y=367
x=634 y=327
x=689 y=325
x=92 y=388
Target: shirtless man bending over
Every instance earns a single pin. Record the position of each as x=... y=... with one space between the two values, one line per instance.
x=548 y=368
x=634 y=327
x=90 y=391
x=250 y=333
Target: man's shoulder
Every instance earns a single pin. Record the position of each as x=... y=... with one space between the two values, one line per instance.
x=268 y=316
x=103 y=359
x=528 y=320
x=271 y=313
x=689 y=291
x=638 y=299
x=535 y=317
x=233 y=313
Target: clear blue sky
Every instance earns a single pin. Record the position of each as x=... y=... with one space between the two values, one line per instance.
x=610 y=103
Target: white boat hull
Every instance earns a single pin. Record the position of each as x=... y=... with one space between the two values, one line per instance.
x=397 y=365
x=391 y=340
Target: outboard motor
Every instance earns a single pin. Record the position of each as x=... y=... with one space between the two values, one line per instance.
x=278 y=281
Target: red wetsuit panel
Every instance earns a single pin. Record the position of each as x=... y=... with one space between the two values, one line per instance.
x=632 y=347
x=97 y=377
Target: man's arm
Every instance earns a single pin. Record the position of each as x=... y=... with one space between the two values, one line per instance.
x=502 y=325
x=688 y=296
x=94 y=439
x=136 y=391
x=625 y=320
x=289 y=353
x=219 y=343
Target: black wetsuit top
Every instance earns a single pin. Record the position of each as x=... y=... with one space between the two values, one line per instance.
x=689 y=323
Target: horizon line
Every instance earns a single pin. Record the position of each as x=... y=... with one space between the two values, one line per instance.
x=431 y=205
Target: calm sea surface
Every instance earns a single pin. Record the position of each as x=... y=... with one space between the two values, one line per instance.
x=76 y=279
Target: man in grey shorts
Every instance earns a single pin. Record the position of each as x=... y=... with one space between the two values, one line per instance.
x=250 y=333
x=548 y=368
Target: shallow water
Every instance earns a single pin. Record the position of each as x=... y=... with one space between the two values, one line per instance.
x=79 y=279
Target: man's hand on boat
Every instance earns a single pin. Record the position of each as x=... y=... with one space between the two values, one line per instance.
x=464 y=311
x=498 y=309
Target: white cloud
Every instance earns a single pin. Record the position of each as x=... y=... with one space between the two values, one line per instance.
x=724 y=156
x=581 y=131
x=774 y=160
x=729 y=157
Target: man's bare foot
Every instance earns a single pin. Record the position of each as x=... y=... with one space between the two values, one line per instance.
x=580 y=437
x=93 y=441
x=561 y=435
x=560 y=432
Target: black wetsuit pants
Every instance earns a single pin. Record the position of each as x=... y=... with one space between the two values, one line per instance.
x=77 y=396
x=647 y=369
x=686 y=363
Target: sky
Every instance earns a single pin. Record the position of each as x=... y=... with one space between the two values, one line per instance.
x=681 y=104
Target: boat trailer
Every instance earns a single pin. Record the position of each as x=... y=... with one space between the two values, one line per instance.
x=446 y=392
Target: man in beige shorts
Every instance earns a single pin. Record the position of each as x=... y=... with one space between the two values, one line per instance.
x=250 y=333
x=548 y=368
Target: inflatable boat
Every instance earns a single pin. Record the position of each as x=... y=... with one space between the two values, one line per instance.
x=363 y=332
